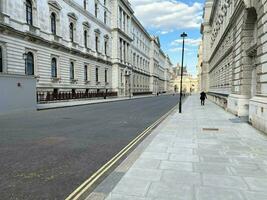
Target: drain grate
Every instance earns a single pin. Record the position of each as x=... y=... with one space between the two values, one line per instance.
x=210 y=129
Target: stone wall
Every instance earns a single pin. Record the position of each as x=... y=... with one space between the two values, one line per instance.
x=235 y=32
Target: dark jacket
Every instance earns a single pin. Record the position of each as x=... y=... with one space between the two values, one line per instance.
x=203 y=96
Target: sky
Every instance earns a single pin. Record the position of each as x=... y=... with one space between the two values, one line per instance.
x=168 y=19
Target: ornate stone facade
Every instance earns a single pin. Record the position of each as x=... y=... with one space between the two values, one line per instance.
x=234 y=58
x=80 y=45
x=190 y=83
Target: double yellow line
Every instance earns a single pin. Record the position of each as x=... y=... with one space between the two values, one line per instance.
x=83 y=188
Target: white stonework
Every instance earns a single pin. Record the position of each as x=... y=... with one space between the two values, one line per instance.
x=234 y=57
x=199 y=66
x=94 y=45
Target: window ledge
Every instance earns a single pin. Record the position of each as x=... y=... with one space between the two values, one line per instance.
x=55 y=79
x=56 y=37
x=74 y=80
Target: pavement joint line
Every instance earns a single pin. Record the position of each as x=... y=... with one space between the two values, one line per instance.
x=85 y=186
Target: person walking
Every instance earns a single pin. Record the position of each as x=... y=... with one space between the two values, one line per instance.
x=203 y=96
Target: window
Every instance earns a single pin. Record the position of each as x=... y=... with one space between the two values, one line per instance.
x=134 y=59
x=96 y=43
x=29 y=12
x=1 y=60
x=53 y=23
x=96 y=75
x=85 y=72
x=121 y=49
x=105 y=17
x=54 y=68
x=71 y=32
x=71 y=70
x=120 y=18
x=96 y=9
x=84 y=4
x=29 y=68
x=85 y=35
x=106 y=47
x=106 y=75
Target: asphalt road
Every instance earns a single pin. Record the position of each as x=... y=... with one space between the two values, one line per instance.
x=48 y=154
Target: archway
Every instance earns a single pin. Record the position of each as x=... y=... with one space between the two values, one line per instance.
x=250 y=42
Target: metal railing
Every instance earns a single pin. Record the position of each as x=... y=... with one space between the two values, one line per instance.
x=45 y=96
x=141 y=93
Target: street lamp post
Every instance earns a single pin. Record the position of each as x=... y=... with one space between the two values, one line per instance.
x=183 y=35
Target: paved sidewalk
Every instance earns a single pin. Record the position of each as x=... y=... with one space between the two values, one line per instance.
x=46 y=106
x=185 y=162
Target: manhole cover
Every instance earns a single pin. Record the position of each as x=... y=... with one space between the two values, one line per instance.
x=210 y=129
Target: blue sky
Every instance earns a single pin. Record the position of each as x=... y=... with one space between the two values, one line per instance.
x=168 y=19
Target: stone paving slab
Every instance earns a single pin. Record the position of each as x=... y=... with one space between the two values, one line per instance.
x=184 y=161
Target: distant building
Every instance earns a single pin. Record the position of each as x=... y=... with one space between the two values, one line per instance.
x=234 y=70
x=190 y=83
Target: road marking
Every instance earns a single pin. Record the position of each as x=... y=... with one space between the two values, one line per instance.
x=85 y=186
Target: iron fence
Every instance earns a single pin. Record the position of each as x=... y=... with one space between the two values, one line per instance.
x=45 y=96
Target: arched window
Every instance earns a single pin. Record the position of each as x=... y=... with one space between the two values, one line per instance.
x=29 y=12
x=106 y=47
x=53 y=23
x=1 y=60
x=96 y=9
x=29 y=68
x=71 y=70
x=71 y=32
x=85 y=73
x=85 y=35
x=96 y=43
x=54 y=68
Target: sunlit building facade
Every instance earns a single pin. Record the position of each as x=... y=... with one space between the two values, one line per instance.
x=234 y=57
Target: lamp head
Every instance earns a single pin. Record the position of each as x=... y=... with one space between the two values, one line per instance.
x=183 y=35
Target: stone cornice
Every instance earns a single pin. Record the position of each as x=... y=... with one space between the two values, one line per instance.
x=141 y=27
x=232 y=20
x=123 y=33
x=37 y=39
x=127 y=5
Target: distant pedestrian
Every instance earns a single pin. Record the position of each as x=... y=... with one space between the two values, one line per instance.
x=203 y=96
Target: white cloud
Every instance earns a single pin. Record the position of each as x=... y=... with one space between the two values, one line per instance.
x=167 y=15
x=178 y=49
x=188 y=41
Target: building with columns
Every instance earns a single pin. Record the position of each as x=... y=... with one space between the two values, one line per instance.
x=80 y=46
x=190 y=84
x=234 y=70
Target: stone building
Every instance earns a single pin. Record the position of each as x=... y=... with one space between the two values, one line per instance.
x=234 y=69
x=65 y=45
x=80 y=46
x=199 y=66
x=190 y=83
